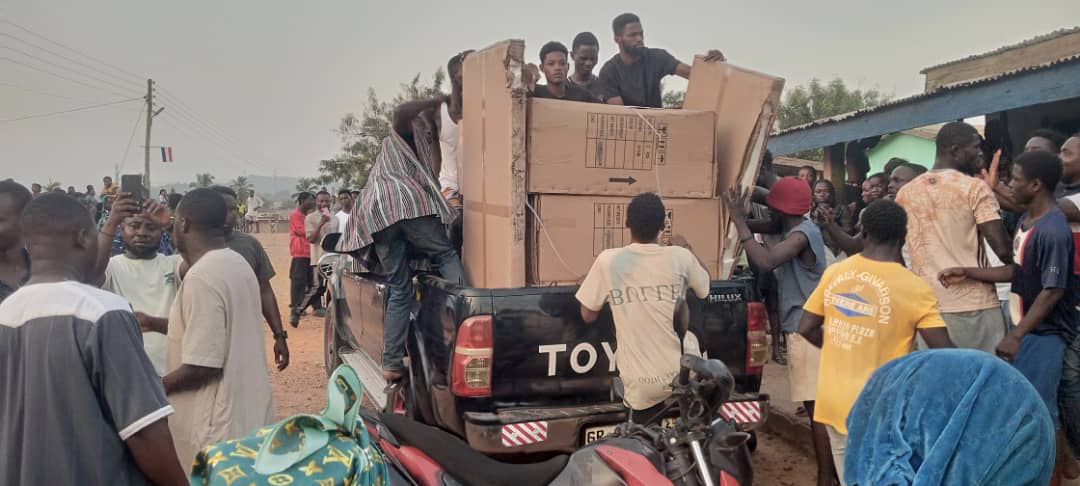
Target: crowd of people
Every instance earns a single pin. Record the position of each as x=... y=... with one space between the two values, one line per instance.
x=119 y=312
x=163 y=336
x=915 y=263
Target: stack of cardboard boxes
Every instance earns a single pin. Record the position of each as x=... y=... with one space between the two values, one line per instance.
x=547 y=182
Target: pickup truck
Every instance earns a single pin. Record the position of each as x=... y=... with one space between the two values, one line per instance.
x=516 y=371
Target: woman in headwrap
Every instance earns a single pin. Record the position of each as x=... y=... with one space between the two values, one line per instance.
x=949 y=417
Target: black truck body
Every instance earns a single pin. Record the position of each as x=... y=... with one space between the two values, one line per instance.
x=517 y=370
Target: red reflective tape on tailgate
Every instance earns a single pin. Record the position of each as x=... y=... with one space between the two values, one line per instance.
x=741 y=412
x=524 y=433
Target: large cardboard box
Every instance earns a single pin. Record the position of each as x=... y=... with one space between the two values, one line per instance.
x=745 y=103
x=493 y=157
x=597 y=149
x=568 y=232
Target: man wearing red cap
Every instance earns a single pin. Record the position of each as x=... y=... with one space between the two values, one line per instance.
x=798 y=263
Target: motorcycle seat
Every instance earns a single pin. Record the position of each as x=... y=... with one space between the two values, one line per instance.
x=465 y=464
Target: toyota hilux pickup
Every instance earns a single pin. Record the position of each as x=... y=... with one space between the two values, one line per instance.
x=517 y=371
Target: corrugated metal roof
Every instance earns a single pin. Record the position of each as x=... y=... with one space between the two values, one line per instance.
x=944 y=89
x=1034 y=40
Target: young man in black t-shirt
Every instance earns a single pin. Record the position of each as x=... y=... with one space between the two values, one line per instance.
x=585 y=52
x=632 y=77
x=553 y=63
x=1044 y=287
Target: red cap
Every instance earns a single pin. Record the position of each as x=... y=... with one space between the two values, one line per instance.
x=791 y=196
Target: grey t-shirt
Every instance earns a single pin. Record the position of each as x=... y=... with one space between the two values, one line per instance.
x=75 y=385
x=639 y=83
x=796 y=281
x=252 y=251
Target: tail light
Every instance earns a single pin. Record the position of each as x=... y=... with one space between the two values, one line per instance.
x=757 y=340
x=473 y=356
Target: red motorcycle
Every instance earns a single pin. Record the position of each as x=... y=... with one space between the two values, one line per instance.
x=701 y=448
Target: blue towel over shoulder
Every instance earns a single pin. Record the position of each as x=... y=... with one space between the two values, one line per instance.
x=949 y=417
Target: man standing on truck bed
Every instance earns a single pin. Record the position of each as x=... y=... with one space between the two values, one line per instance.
x=400 y=212
x=632 y=77
x=644 y=283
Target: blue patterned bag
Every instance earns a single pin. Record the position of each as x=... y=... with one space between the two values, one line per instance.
x=329 y=449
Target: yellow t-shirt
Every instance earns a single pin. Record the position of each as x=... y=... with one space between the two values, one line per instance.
x=871 y=310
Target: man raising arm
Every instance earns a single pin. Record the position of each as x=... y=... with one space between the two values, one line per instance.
x=632 y=77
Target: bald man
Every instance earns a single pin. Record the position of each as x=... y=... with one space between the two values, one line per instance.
x=217 y=378
x=80 y=403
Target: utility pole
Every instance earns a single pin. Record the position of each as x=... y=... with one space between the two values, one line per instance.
x=150 y=114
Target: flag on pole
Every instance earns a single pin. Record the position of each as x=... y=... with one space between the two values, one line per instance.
x=166 y=154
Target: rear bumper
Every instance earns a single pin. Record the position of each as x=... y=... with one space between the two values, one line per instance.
x=562 y=429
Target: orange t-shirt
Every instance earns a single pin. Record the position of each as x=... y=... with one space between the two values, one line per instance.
x=944 y=208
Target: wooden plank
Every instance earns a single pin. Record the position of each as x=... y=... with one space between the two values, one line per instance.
x=493 y=168
x=745 y=103
x=1053 y=83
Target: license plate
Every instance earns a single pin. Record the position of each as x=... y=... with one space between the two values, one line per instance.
x=593 y=434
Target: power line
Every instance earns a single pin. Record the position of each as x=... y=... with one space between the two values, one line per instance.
x=46 y=93
x=83 y=54
x=184 y=110
x=123 y=160
x=218 y=145
x=46 y=71
x=43 y=115
x=61 y=66
x=69 y=59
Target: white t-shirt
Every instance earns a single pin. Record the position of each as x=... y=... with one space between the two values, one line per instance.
x=150 y=285
x=216 y=322
x=342 y=219
x=448 y=138
x=643 y=283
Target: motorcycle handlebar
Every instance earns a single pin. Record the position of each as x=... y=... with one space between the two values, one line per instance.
x=711 y=370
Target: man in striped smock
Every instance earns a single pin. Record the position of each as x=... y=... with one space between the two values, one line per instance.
x=401 y=212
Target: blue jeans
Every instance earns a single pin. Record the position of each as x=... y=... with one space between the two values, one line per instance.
x=1040 y=361
x=1069 y=395
x=425 y=236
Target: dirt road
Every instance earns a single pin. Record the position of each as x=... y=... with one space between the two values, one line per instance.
x=302 y=386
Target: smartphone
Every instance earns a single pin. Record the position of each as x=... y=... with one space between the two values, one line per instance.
x=132 y=184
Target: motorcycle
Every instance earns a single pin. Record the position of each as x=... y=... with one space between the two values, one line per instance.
x=701 y=448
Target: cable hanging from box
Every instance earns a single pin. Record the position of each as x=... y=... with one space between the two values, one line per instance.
x=547 y=236
x=656 y=167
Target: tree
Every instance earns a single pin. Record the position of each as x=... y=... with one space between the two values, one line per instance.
x=673 y=99
x=361 y=136
x=202 y=180
x=817 y=100
x=52 y=186
x=242 y=187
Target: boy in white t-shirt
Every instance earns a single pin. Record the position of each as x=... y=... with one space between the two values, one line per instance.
x=644 y=283
x=147 y=279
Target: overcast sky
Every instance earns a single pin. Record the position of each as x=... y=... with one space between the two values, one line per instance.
x=258 y=86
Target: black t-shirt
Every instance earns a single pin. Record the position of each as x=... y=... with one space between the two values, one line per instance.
x=573 y=93
x=639 y=83
x=592 y=86
x=1044 y=253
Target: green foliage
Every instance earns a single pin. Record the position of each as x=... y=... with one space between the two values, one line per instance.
x=817 y=100
x=202 y=180
x=361 y=136
x=51 y=186
x=673 y=99
x=242 y=187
